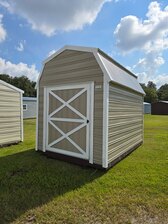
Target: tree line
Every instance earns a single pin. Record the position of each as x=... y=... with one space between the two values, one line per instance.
x=22 y=82
x=153 y=94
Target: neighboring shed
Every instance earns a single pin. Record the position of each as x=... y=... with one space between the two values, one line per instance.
x=147 y=108
x=160 y=108
x=90 y=108
x=29 y=107
x=11 y=114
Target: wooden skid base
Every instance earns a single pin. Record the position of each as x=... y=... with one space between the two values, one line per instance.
x=83 y=162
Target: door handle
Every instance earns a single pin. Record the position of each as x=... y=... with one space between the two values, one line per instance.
x=87 y=121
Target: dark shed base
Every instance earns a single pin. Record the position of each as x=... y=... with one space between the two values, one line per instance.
x=83 y=162
x=9 y=144
x=123 y=155
x=71 y=159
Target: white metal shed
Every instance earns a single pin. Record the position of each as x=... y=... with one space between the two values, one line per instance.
x=11 y=114
x=90 y=108
x=147 y=108
x=29 y=107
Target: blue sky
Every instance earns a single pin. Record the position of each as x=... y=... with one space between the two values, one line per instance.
x=133 y=32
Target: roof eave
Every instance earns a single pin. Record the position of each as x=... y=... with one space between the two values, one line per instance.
x=70 y=47
x=142 y=93
x=11 y=86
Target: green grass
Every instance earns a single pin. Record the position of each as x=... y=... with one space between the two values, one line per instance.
x=36 y=189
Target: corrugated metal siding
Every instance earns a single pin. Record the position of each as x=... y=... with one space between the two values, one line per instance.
x=31 y=109
x=159 y=108
x=10 y=115
x=74 y=67
x=147 y=108
x=125 y=121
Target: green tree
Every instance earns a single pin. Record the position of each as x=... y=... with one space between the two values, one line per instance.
x=151 y=85
x=151 y=95
x=6 y=78
x=151 y=92
x=22 y=82
x=163 y=92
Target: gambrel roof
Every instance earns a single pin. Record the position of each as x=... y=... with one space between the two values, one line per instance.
x=113 y=71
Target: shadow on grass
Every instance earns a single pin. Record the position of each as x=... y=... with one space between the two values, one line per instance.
x=29 y=179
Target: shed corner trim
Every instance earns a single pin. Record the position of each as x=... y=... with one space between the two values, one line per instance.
x=105 y=123
x=102 y=66
x=37 y=121
x=21 y=114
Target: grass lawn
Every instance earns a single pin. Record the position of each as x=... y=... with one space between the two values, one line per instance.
x=36 y=189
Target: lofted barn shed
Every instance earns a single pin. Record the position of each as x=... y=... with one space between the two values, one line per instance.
x=90 y=108
x=11 y=114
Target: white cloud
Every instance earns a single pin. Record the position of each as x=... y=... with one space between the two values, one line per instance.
x=143 y=77
x=159 y=61
x=3 y=33
x=51 y=16
x=147 y=69
x=150 y=63
x=20 y=46
x=150 y=36
x=5 y=4
x=7 y=67
x=51 y=52
x=132 y=33
x=159 y=80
